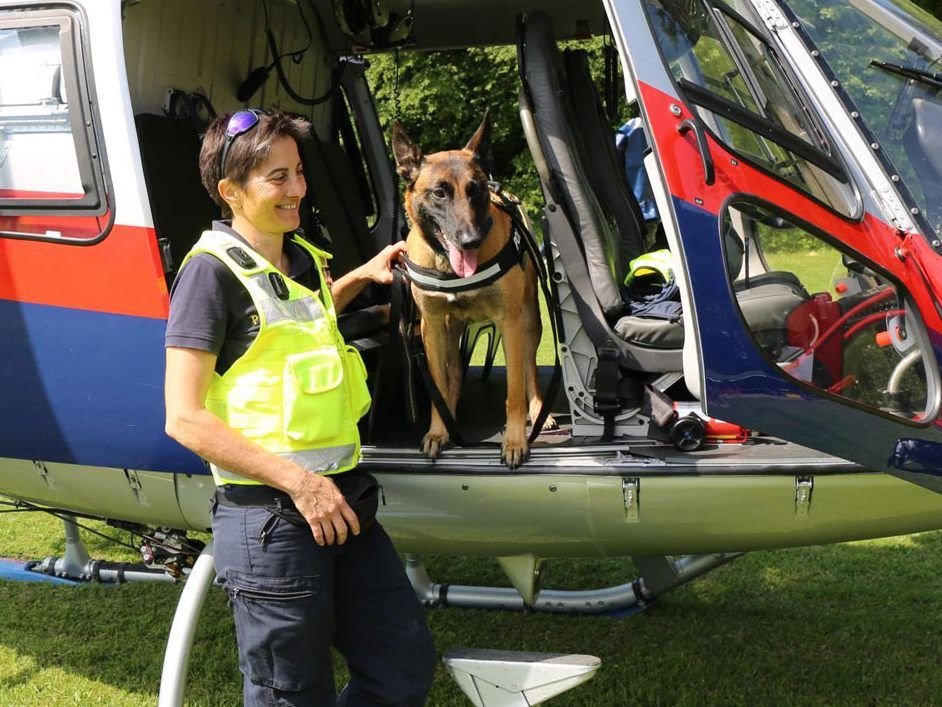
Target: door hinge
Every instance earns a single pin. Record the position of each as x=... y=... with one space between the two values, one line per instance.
x=166 y=255
x=771 y=15
x=631 y=491
x=134 y=483
x=804 y=486
x=894 y=210
x=44 y=474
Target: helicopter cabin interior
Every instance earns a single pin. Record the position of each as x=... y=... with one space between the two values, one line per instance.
x=821 y=318
x=185 y=66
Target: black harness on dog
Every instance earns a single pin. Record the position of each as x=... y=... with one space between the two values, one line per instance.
x=510 y=256
x=403 y=314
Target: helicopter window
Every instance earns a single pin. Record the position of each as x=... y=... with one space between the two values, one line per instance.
x=47 y=169
x=731 y=74
x=861 y=42
x=853 y=335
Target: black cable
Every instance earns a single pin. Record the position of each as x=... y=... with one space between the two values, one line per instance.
x=283 y=79
x=298 y=54
x=62 y=515
x=260 y=75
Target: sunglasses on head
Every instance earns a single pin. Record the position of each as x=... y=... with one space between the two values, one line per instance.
x=240 y=122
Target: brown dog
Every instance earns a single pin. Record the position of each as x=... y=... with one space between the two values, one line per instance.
x=455 y=227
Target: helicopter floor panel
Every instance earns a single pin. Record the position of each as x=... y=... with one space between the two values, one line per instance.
x=481 y=420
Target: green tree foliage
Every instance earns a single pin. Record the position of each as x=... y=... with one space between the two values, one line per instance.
x=440 y=99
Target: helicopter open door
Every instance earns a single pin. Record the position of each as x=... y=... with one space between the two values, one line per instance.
x=767 y=179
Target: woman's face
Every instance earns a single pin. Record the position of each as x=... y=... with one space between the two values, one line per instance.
x=271 y=197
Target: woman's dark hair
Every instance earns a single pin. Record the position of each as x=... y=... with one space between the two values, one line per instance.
x=246 y=151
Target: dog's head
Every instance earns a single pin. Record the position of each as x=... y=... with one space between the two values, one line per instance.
x=447 y=195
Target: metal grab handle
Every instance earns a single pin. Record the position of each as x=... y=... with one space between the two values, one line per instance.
x=704 y=147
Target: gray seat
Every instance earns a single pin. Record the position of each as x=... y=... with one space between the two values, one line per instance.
x=605 y=167
x=583 y=176
x=607 y=238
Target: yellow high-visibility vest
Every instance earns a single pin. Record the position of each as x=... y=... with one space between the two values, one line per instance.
x=656 y=262
x=298 y=390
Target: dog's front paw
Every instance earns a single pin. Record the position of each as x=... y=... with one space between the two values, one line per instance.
x=513 y=454
x=433 y=443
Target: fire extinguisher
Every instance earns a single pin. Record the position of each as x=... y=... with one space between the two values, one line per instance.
x=692 y=428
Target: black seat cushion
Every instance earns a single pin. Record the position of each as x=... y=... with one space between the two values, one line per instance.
x=179 y=204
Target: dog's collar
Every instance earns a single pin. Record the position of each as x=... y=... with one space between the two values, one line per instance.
x=510 y=256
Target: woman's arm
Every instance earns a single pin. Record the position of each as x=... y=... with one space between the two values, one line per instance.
x=378 y=270
x=189 y=375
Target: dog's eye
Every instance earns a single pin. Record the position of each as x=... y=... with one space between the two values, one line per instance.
x=439 y=193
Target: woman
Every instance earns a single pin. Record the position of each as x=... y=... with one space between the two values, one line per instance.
x=260 y=384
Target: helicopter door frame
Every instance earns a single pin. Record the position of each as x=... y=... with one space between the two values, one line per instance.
x=68 y=201
x=704 y=178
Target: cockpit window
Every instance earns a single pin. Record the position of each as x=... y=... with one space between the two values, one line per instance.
x=826 y=319
x=727 y=69
x=887 y=56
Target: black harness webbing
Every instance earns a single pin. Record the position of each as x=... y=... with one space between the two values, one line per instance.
x=402 y=314
x=607 y=399
x=510 y=256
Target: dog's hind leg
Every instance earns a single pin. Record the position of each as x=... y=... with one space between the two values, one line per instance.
x=533 y=326
x=454 y=366
x=442 y=362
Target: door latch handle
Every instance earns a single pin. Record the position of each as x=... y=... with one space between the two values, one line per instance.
x=704 y=147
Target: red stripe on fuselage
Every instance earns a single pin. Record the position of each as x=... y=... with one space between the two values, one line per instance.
x=122 y=274
x=683 y=170
x=32 y=194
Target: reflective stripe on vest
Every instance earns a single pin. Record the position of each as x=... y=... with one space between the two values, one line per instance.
x=327 y=460
x=657 y=261
x=298 y=390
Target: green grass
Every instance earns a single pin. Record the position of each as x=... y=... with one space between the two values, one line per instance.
x=817 y=270
x=843 y=625
x=544 y=352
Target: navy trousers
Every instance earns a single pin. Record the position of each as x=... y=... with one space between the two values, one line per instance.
x=292 y=599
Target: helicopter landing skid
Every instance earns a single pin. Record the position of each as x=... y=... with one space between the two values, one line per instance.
x=77 y=567
x=658 y=575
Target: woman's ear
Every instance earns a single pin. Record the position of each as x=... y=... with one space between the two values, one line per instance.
x=230 y=193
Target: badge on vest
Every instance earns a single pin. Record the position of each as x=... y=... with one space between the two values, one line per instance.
x=278 y=285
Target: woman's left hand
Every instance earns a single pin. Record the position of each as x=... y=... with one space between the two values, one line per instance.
x=379 y=268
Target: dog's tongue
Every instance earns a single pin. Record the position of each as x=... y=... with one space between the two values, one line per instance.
x=463 y=262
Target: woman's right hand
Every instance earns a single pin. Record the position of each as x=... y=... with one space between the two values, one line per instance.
x=319 y=500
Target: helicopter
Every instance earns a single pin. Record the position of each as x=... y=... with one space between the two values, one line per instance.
x=793 y=169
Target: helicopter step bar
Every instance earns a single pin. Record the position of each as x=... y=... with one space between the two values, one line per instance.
x=514 y=679
x=658 y=575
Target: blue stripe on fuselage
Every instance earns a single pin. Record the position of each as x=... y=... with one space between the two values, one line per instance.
x=85 y=388
x=735 y=371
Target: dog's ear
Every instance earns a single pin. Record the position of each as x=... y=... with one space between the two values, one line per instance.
x=408 y=155
x=480 y=143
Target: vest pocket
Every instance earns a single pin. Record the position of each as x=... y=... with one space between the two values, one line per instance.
x=355 y=371
x=314 y=396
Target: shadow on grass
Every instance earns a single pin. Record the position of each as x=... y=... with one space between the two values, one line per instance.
x=851 y=624
x=21 y=677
